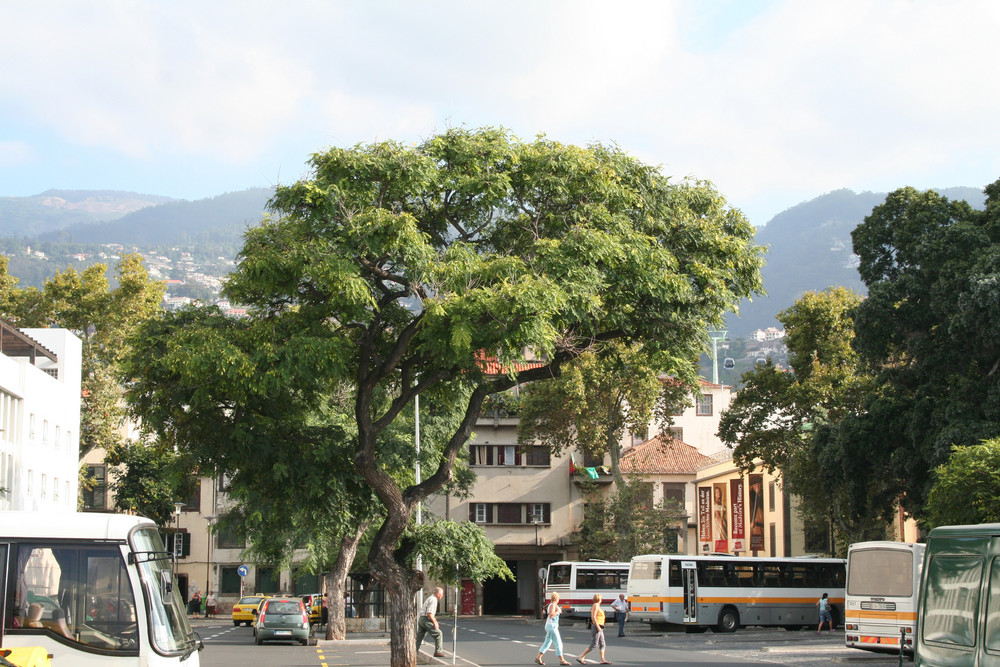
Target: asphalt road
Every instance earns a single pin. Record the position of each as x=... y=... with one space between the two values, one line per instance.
x=506 y=642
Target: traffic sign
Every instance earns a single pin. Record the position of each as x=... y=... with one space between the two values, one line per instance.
x=243 y=570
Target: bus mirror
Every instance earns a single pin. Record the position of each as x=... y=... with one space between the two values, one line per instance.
x=166 y=584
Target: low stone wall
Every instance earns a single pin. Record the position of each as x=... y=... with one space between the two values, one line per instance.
x=365 y=624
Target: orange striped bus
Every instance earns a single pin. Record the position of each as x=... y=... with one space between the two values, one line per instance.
x=728 y=592
x=883 y=585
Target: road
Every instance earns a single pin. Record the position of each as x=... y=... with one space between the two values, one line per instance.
x=505 y=642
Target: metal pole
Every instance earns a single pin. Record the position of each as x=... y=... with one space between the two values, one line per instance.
x=416 y=439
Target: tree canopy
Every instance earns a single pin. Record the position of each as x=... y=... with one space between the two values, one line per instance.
x=409 y=270
x=930 y=329
x=788 y=420
x=966 y=487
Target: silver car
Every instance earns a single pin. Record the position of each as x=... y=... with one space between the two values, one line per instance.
x=282 y=618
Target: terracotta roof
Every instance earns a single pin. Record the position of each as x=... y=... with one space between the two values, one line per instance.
x=662 y=455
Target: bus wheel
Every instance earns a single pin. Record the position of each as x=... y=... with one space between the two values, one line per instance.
x=729 y=620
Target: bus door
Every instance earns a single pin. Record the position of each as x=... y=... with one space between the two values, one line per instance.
x=689 y=578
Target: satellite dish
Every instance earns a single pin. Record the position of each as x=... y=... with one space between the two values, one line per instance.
x=729 y=362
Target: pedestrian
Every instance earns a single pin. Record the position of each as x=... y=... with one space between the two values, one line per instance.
x=195 y=605
x=552 y=636
x=428 y=625
x=348 y=606
x=621 y=612
x=324 y=612
x=596 y=632
x=824 y=613
x=210 y=605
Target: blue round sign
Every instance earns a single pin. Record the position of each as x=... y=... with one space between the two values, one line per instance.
x=243 y=570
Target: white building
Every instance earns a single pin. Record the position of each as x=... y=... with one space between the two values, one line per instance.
x=40 y=372
x=770 y=333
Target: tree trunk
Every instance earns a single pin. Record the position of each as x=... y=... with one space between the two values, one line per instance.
x=336 y=626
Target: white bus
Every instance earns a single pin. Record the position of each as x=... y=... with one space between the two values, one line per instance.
x=577 y=581
x=91 y=589
x=883 y=584
x=727 y=592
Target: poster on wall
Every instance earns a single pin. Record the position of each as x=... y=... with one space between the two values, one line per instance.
x=738 y=528
x=756 y=497
x=720 y=517
x=705 y=518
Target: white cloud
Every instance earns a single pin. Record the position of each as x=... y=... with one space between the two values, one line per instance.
x=15 y=153
x=773 y=101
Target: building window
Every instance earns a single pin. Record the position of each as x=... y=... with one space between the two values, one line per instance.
x=673 y=492
x=185 y=542
x=230 y=580
x=537 y=456
x=55 y=489
x=95 y=499
x=704 y=405
x=676 y=432
x=228 y=539
x=41 y=488
x=771 y=493
x=509 y=513
x=193 y=501
x=508 y=455
x=31 y=427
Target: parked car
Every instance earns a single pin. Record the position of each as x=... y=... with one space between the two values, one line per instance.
x=282 y=618
x=245 y=611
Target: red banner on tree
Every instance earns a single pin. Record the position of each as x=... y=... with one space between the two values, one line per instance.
x=736 y=500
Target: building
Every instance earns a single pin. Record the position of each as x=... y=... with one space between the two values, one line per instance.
x=40 y=372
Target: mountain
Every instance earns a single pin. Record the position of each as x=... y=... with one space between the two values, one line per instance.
x=809 y=249
x=218 y=221
x=57 y=209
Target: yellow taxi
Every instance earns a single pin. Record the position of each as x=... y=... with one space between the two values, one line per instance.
x=314 y=605
x=245 y=611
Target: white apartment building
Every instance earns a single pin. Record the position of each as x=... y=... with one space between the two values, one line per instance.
x=40 y=371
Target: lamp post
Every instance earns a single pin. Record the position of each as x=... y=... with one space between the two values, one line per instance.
x=536 y=520
x=208 y=560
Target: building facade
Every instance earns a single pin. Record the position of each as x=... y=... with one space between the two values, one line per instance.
x=40 y=371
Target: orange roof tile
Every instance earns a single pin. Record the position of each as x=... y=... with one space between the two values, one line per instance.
x=491 y=366
x=662 y=455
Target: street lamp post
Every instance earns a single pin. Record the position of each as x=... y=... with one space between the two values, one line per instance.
x=536 y=520
x=208 y=560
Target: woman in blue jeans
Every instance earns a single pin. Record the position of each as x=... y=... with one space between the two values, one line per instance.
x=552 y=636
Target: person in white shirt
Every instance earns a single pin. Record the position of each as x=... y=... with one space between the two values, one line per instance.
x=427 y=623
x=621 y=612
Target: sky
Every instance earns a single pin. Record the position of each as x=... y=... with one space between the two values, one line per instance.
x=774 y=102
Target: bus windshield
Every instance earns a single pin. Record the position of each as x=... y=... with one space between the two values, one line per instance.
x=169 y=629
x=880 y=572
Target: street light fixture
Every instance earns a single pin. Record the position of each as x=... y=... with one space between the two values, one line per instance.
x=177 y=551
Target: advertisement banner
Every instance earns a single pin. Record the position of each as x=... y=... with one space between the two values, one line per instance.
x=739 y=529
x=705 y=517
x=720 y=517
x=756 y=500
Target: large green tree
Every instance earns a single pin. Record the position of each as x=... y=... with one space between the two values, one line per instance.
x=788 y=421
x=931 y=328
x=966 y=488
x=400 y=268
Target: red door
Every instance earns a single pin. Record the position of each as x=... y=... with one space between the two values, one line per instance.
x=468 y=597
